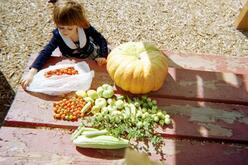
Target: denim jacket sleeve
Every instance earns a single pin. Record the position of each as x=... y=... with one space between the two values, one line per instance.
x=45 y=53
x=99 y=40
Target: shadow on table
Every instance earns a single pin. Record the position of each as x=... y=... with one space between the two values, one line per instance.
x=47 y=97
x=112 y=154
x=194 y=98
x=7 y=95
x=202 y=104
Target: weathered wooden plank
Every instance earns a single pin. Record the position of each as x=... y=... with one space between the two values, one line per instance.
x=207 y=62
x=37 y=146
x=202 y=62
x=196 y=119
x=190 y=118
x=241 y=21
x=30 y=111
x=203 y=85
x=193 y=61
x=186 y=84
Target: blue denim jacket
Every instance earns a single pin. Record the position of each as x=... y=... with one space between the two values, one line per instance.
x=92 y=37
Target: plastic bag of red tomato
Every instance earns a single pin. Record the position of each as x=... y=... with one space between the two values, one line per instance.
x=61 y=79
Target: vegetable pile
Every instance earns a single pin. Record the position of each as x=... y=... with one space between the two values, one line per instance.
x=62 y=71
x=69 y=108
x=124 y=117
x=108 y=118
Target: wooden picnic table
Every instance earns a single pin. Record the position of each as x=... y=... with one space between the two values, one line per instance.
x=206 y=97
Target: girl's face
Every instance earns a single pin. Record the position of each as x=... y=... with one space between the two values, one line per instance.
x=68 y=31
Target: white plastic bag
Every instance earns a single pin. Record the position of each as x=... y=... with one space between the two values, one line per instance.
x=62 y=84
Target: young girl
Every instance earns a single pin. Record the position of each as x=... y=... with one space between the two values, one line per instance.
x=74 y=36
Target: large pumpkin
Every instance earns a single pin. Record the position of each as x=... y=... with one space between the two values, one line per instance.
x=137 y=67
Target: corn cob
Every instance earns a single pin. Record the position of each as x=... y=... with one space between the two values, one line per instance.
x=80 y=130
x=95 y=133
x=101 y=142
x=93 y=138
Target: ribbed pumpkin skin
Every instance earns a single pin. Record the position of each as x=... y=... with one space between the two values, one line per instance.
x=137 y=67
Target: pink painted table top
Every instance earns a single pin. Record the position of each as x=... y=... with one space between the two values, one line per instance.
x=206 y=97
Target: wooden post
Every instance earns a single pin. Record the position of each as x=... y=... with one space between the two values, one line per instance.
x=241 y=22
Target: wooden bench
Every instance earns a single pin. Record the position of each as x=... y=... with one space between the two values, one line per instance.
x=241 y=21
x=206 y=96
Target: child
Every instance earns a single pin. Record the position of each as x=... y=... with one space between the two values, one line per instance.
x=74 y=36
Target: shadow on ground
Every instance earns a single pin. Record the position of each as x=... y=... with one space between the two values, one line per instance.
x=7 y=95
x=244 y=32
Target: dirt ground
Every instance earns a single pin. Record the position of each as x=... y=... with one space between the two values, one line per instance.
x=199 y=26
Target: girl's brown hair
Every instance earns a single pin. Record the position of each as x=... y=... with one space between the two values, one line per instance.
x=69 y=12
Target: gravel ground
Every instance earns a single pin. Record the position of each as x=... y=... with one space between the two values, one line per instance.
x=199 y=26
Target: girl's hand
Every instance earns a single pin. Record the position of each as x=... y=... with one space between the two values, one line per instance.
x=101 y=61
x=28 y=78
